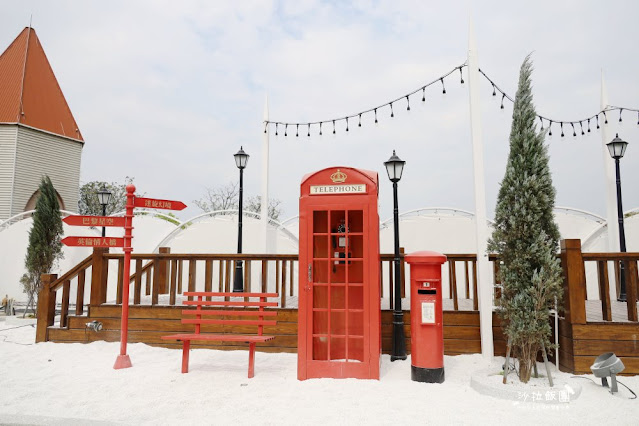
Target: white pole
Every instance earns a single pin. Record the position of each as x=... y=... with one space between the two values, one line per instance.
x=265 y=164
x=484 y=284
x=609 y=176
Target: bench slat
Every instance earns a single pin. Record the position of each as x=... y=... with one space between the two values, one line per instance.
x=229 y=303
x=229 y=313
x=228 y=294
x=229 y=322
x=219 y=337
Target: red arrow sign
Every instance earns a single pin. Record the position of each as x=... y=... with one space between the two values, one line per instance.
x=152 y=203
x=93 y=221
x=93 y=242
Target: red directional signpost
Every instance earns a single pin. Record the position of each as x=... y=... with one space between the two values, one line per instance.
x=123 y=360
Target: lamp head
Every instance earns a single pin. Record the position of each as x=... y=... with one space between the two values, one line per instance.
x=394 y=167
x=104 y=196
x=617 y=147
x=241 y=158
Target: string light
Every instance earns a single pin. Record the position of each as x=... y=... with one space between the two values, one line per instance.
x=297 y=131
x=440 y=79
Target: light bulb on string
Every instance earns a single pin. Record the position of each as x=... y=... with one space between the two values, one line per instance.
x=588 y=125
x=494 y=90
x=503 y=95
x=562 y=129
x=461 y=76
x=606 y=117
x=542 y=124
x=360 y=121
x=443 y=86
x=550 y=129
x=376 y=116
x=297 y=131
x=320 y=133
x=333 y=126
x=265 y=126
x=347 y=124
x=392 y=113
x=407 y=103
x=620 y=120
x=309 y=130
x=597 y=121
x=286 y=130
x=574 y=134
x=582 y=128
x=637 y=118
x=276 y=126
x=424 y=94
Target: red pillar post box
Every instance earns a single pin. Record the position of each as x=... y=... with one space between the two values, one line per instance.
x=427 y=318
x=339 y=280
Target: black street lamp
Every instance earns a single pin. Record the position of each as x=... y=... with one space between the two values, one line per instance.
x=617 y=149
x=394 y=168
x=104 y=196
x=241 y=158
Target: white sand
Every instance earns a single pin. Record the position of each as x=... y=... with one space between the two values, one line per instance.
x=54 y=383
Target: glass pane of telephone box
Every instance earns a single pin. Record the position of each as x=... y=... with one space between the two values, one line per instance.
x=320 y=348
x=320 y=271
x=356 y=246
x=355 y=221
x=356 y=272
x=338 y=348
x=338 y=221
x=320 y=221
x=338 y=297
x=320 y=246
x=320 y=322
x=356 y=348
x=320 y=296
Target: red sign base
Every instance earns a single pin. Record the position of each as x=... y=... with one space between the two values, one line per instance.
x=122 y=361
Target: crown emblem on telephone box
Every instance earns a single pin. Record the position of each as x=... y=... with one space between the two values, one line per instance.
x=338 y=176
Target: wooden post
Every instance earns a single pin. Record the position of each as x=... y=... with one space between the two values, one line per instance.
x=99 y=276
x=46 y=307
x=574 y=271
x=163 y=266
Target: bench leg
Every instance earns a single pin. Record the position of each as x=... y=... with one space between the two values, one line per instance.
x=186 y=346
x=251 y=368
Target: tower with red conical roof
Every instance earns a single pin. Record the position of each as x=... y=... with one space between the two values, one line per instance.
x=38 y=133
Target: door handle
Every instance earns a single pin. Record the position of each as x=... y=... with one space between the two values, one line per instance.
x=310 y=276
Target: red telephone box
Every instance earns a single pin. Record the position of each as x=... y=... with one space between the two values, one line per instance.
x=339 y=303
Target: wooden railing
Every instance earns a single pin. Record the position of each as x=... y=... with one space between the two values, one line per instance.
x=161 y=278
x=574 y=264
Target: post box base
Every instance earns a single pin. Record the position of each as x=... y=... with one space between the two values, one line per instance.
x=427 y=375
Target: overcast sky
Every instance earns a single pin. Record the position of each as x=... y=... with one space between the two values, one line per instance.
x=167 y=91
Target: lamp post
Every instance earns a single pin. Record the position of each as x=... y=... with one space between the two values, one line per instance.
x=104 y=196
x=617 y=149
x=241 y=158
x=394 y=168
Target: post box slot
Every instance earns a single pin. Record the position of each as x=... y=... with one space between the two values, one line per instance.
x=426 y=291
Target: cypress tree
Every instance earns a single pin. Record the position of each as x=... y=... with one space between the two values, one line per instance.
x=525 y=235
x=44 y=247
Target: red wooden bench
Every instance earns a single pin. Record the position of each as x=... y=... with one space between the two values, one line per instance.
x=238 y=309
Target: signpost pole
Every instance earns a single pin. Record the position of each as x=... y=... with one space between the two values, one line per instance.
x=123 y=360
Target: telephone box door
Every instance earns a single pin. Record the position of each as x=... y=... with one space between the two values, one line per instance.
x=339 y=297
